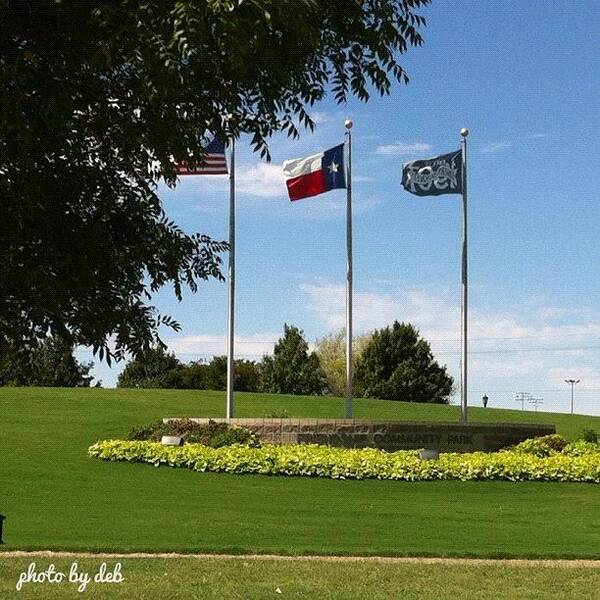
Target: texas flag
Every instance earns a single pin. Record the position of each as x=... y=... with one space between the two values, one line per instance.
x=315 y=174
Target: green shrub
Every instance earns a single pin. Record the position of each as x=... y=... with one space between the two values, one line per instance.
x=546 y=445
x=581 y=448
x=342 y=463
x=212 y=434
x=589 y=435
x=154 y=431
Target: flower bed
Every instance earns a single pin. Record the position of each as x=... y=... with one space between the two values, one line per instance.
x=575 y=463
x=209 y=434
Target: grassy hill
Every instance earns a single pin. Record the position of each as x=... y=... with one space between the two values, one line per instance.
x=55 y=497
x=127 y=407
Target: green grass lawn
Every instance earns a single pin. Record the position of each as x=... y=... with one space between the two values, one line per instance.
x=223 y=579
x=55 y=497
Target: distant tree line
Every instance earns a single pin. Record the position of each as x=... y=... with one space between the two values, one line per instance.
x=49 y=364
x=292 y=369
x=392 y=363
x=157 y=368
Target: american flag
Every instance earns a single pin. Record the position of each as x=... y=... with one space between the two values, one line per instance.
x=213 y=163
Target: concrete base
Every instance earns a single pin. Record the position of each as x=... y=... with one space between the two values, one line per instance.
x=390 y=435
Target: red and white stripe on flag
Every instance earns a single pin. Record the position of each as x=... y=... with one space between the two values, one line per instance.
x=304 y=176
x=316 y=174
x=213 y=164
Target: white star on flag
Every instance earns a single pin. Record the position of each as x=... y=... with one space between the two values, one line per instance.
x=333 y=167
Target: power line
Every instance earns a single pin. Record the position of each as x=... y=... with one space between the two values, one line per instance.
x=558 y=390
x=516 y=350
x=522 y=337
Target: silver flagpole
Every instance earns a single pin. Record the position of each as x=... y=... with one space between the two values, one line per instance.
x=348 y=125
x=464 y=304
x=230 y=323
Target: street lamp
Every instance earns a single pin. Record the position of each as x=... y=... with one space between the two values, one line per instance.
x=572 y=383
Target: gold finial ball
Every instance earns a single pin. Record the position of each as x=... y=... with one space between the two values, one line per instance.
x=348 y=123
x=464 y=132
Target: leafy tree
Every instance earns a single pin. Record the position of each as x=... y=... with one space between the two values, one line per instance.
x=100 y=99
x=158 y=369
x=397 y=364
x=216 y=373
x=245 y=375
x=194 y=375
x=331 y=350
x=51 y=364
x=154 y=368
x=292 y=369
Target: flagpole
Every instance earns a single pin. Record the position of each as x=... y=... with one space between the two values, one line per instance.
x=464 y=303
x=230 y=323
x=348 y=125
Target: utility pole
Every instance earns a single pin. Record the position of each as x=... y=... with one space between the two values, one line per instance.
x=522 y=397
x=536 y=402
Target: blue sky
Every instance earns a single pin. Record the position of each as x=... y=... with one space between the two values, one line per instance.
x=524 y=77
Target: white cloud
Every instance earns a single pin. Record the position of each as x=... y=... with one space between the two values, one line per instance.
x=505 y=366
x=511 y=348
x=320 y=117
x=403 y=148
x=189 y=347
x=265 y=180
x=332 y=206
x=551 y=312
x=589 y=377
x=431 y=314
x=494 y=147
x=370 y=310
x=439 y=316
